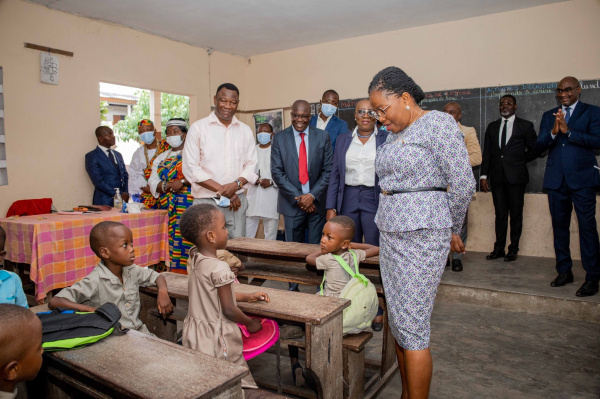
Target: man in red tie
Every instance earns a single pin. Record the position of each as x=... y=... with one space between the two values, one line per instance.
x=301 y=160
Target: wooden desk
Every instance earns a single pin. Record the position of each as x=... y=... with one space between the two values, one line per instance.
x=136 y=365
x=292 y=255
x=322 y=317
x=57 y=249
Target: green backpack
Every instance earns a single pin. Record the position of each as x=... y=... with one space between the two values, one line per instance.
x=64 y=329
x=363 y=295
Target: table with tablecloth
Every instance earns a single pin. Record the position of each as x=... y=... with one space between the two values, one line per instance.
x=57 y=246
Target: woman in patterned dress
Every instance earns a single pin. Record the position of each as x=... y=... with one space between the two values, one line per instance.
x=173 y=191
x=427 y=185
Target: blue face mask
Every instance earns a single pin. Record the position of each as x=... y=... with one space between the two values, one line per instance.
x=223 y=202
x=264 y=138
x=147 y=137
x=328 y=109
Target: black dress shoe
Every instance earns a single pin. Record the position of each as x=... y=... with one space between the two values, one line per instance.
x=457 y=265
x=377 y=326
x=588 y=288
x=562 y=279
x=495 y=255
x=511 y=256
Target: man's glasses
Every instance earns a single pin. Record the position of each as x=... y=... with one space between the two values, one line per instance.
x=567 y=90
x=366 y=112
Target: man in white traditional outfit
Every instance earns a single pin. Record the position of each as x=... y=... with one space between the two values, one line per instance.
x=262 y=196
x=142 y=158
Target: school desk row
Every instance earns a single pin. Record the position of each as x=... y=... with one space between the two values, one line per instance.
x=136 y=365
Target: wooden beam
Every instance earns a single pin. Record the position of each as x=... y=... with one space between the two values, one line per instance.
x=48 y=49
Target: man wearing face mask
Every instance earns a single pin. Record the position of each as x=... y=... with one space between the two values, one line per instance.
x=326 y=120
x=508 y=145
x=141 y=163
x=219 y=160
x=262 y=196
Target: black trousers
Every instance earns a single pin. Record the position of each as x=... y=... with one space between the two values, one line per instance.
x=508 y=200
x=562 y=201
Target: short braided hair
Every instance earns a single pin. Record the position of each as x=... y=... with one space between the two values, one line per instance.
x=196 y=220
x=394 y=80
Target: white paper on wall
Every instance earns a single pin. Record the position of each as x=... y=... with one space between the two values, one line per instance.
x=49 y=68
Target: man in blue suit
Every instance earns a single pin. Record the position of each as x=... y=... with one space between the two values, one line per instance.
x=301 y=160
x=326 y=120
x=106 y=169
x=571 y=132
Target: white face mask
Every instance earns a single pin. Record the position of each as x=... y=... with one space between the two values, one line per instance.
x=147 y=137
x=175 y=141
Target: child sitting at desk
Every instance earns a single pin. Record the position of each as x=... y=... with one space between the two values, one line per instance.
x=11 y=287
x=20 y=348
x=115 y=279
x=210 y=326
x=335 y=240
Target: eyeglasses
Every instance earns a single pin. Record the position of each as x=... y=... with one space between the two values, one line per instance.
x=567 y=90
x=304 y=117
x=366 y=112
x=377 y=113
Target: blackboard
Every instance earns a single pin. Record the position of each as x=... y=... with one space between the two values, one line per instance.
x=480 y=108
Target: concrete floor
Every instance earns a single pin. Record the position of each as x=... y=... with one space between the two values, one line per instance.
x=482 y=352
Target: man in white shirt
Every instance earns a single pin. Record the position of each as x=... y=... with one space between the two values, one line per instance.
x=262 y=197
x=508 y=145
x=219 y=160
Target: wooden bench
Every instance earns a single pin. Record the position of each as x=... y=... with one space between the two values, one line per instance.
x=269 y=271
x=135 y=365
x=354 y=362
x=322 y=317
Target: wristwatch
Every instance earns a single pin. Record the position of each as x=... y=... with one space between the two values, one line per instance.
x=239 y=183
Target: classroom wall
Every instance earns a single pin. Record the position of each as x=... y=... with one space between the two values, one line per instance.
x=50 y=128
x=46 y=146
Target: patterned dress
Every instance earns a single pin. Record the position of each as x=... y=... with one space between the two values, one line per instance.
x=415 y=227
x=175 y=204
x=147 y=198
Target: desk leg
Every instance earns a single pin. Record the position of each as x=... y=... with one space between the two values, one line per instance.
x=163 y=329
x=324 y=355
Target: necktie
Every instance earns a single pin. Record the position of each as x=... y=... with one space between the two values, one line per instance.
x=503 y=137
x=111 y=156
x=302 y=162
x=567 y=114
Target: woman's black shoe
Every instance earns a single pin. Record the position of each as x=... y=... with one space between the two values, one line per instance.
x=377 y=326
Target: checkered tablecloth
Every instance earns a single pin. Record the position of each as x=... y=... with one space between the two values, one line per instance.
x=58 y=250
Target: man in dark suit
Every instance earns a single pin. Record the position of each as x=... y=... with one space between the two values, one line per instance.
x=326 y=120
x=301 y=160
x=508 y=146
x=572 y=132
x=106 y=169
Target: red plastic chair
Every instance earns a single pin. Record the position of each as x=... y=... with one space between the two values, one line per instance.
x=30 y=207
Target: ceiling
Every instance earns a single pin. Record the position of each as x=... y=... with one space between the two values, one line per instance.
x=247 y=28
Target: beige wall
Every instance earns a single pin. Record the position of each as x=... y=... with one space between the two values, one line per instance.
x=500 y=49
x=45 y=146
x=50 y=128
